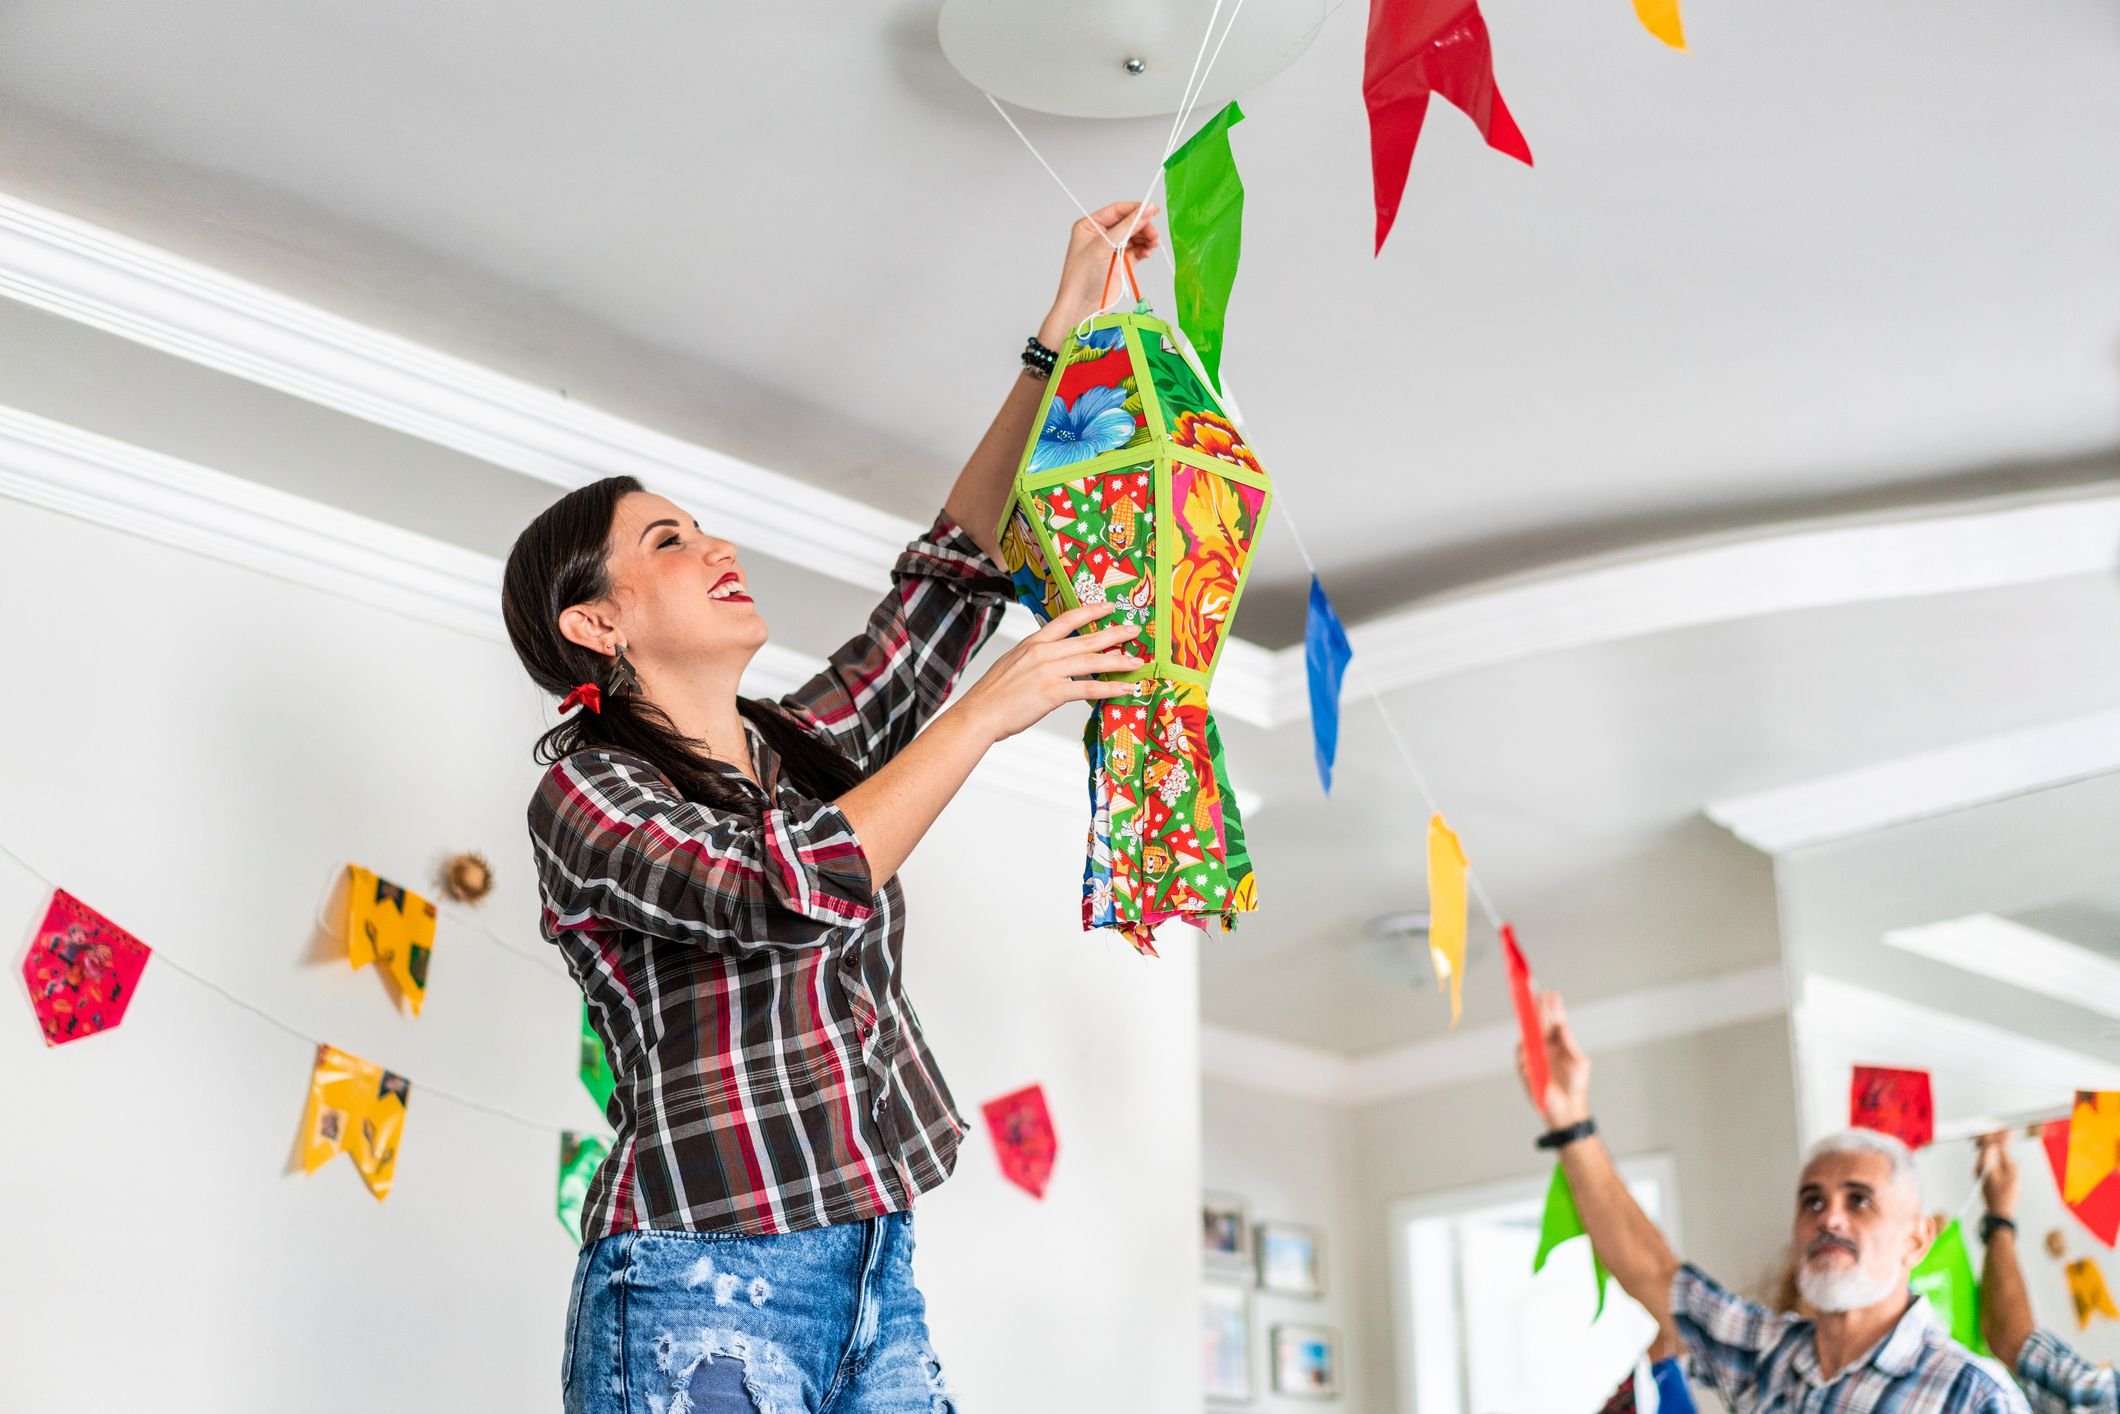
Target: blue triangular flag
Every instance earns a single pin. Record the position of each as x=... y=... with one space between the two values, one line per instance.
x=1326 y=654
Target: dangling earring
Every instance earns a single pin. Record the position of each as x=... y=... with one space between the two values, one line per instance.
x=625 y=676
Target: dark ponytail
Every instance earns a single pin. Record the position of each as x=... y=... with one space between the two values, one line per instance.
x=563 y=558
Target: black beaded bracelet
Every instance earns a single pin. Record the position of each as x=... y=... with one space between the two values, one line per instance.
x=1039 y=359
x=1562 y=1138
x=1992 y=1224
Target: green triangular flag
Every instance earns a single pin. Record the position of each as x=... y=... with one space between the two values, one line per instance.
x=1946 y=1277
x=579 y=1154
x=595 y=1066
x=1562 y=1222
x=1206 y=214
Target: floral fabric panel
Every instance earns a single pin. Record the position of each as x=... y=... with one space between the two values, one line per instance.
x=1161 y=829
x=1217 y=521
x=1095 y=409
x=1024 y=558
x=1103 y=530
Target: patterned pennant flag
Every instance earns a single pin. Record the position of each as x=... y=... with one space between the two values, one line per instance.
x=1561 y=1223
x=2100 y=1211
x=1326 y=654
x=1894 y=1102
x=1022 y=1130
x=2087 y=1288
x=2093 y=1143
x=82 y=970
x=1660 y=18
x=579 y=1156
x=595 y=1066
x=1206 y=214
x=1417 y=48
x=1446 y=912
x=1946 y=1278
x=388 y=925
x=357 y=1108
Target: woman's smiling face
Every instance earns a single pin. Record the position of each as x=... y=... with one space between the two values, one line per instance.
x=679 y=599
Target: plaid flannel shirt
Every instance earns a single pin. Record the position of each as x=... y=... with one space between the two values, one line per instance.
x=1767 y=1361
x=743 y=968
x=2059 y=1381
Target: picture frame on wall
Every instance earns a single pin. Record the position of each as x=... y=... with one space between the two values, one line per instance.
x=1225 y=1342
x=1225 y=1235
x=1291 y=1259
x=1306 y=1362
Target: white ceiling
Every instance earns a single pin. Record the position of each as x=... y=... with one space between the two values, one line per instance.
x=1834 y=253
x=1834 y=257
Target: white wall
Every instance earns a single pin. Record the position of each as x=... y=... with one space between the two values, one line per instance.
x=194 y=748
x=1293 y=1160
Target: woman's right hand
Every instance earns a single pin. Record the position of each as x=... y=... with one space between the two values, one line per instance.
x=1049 y=668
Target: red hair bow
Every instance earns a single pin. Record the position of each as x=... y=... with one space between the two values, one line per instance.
x=588 y=695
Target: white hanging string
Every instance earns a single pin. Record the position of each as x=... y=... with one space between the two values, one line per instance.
x=1404 y=752
x=1195 y=87
x=161 y=957
x=1057 y=179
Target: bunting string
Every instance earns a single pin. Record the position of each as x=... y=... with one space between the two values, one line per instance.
x=160 y=956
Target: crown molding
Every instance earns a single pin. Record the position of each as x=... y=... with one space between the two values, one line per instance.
x=180 y=307
x=228 y=518
x=138 y=292
x=1848 y=803
x=2008 y=952
x=1482 y=1052
x=1984 y=544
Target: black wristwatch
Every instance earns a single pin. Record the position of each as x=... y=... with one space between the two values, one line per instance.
x=1992 y=1224
x=1562 y=1138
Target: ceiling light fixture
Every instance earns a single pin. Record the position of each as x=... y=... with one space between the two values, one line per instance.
x=1120 y=58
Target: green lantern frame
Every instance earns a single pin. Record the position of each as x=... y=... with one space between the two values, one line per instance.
x=1161 y=450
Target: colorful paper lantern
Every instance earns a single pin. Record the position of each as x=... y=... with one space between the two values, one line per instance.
x=1138 y=489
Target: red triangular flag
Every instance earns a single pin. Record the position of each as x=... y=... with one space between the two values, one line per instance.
x=1526 y=998
x=1894 y=1102
x=2100 y=1212
x=1022 y=1130
x=1419 y=47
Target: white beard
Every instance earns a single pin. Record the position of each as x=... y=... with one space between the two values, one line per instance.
x=1850 y=1289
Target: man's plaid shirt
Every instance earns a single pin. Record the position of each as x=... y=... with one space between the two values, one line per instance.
x=743 y=968
x=1766 y=1362
x=2059 y=1381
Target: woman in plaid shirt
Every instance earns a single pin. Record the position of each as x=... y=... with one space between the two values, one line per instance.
x=719 y=874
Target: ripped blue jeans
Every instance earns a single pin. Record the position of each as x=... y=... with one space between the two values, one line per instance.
x=826 y=1321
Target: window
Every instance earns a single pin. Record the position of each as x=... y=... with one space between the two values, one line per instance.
x=1478 y=1333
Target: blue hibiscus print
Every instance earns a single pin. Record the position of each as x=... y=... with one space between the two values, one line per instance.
x=1096 y=424
x=1112 y=338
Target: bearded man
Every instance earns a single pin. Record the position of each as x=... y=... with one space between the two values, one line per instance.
x=1871 y=1348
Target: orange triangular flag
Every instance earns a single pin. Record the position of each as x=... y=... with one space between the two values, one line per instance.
x=2093 y=1143
x=1446 y=912
x=2087 y=1288
x=1660 y=18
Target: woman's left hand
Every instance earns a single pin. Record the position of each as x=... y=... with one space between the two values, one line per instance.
x=1089 y=255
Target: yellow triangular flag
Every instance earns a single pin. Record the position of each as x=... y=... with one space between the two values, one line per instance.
x=2087 y=1288
x=385 y=923
x=2093 y=1143
x=1660 y=18
x=356 y=1108
x=1446 y=911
